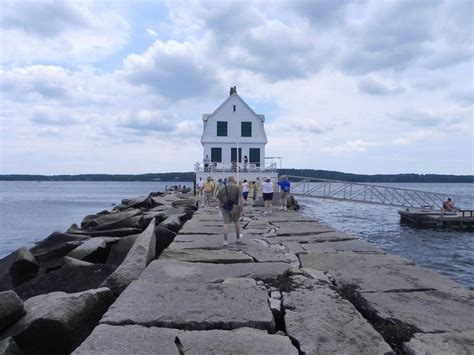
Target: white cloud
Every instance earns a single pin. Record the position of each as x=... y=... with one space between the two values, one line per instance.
x=416 y=137
x=151 y=32
x=376 y=86
x=360 y=80
x=55 y=31
x=172 y=69
x=355 y=146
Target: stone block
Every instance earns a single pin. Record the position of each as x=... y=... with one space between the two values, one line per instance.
x=58 y=322
x=172 y=271
x=309 y=238
x=459 y=343
x=324 y=323
x=192 y=306
x=11 y=308
x=72 y=277
x=134 y=339
x=222 y=256
x=429 y=311
x=140 y=255
x=354 y=245
x=16 y=268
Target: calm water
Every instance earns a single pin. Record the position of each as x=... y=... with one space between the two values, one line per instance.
x=449 y=252
x=30 y=211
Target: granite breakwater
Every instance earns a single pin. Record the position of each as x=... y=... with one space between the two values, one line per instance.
x=166 y=285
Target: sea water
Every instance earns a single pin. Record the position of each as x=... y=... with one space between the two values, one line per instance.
x=30 y=211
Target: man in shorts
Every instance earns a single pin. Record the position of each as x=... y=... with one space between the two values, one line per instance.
x=284 y=192
x=208 y=191
x=230 y=201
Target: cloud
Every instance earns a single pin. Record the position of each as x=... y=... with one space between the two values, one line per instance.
x=59 y=30
x=465 y=98
x=319 y=13
x=354 y=146
x=150 y=120
x=416 y=137
x=374 y=86
x=151 y=32
x=417 y=118
x=173 y=70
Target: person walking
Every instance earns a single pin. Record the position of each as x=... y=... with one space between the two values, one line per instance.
x=245 y=191
x=208 y=191
x=284 y=192
x=267 y=187
x=231 y=203
x=200 y=187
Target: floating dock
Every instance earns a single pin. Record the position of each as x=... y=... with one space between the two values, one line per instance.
x=463 y=219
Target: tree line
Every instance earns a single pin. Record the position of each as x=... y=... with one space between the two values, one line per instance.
x=189 y=176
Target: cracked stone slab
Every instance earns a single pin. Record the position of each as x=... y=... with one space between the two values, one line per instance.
x=430 y=311
x=202 y=241
x=135 y=339
x=324 y=323
x=197 y=228
x=192 y=306
x=301 y=228
x=222 y=256
x=332 y=262
x=459 y=343
x=315 y=238
x=169 y=271
x=397 y=277
x=354 y=245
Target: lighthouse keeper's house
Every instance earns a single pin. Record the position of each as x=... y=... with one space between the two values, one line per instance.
x=232 y=135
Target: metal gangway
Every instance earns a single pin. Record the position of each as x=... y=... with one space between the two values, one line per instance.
x=365 y=193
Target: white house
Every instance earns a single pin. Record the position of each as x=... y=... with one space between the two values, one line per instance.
x=232 y=134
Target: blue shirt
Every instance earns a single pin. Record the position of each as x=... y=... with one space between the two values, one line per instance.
x=284 y=185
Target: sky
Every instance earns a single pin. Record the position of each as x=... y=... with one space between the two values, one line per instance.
x=120 y=87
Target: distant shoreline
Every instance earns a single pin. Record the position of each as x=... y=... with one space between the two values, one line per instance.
x=189 y=176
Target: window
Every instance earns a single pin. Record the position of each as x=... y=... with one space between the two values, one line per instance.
x=216 y=155
x=233 y=154
x=254 y=156
x=246 y=129
x=234 y=108
x=221 y=128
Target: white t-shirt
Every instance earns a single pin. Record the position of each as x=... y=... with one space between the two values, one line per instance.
x=200 y=184
x=267 y=187
x=245 y=187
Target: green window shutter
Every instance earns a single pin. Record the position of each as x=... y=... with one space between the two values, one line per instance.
x=221 y=128
x=233 y=155
x=216 y=155
x=254 y=156
x=246 y=129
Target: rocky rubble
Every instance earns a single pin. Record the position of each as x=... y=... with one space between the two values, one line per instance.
x=61 y=278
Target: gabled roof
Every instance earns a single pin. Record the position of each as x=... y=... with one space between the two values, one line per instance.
x=206 y=116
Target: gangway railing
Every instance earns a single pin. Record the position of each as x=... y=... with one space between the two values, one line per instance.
x=366 y=193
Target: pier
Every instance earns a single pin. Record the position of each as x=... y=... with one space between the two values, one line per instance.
x=294 y=286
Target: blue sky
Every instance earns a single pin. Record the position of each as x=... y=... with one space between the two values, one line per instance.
x=120 y=87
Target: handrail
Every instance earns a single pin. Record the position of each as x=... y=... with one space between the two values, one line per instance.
x=367 y=193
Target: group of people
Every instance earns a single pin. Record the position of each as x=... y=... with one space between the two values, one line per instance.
x=232 y=199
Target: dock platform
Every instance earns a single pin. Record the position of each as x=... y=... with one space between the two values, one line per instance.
x=462 y=219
